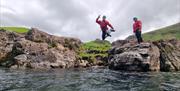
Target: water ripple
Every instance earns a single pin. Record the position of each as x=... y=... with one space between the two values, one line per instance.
x=91 y=79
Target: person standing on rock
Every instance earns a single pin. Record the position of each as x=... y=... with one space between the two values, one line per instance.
x=104 y=26
x=137 y=27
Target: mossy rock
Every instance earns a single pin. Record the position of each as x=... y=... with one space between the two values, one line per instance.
x=91 y=50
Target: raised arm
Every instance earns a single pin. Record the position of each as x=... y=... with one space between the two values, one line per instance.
x=97 y=19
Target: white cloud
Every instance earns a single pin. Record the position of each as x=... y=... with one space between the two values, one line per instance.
x=76 y=18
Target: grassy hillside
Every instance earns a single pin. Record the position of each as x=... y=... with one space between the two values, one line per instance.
x=16 y=29
x=170 y=32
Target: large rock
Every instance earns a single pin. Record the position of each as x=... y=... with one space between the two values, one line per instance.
x=169 y=55
x=40 y=55
x=131 y=57
x=39 y=36
x=37 y=49
x=163 y=55
x=7 y=40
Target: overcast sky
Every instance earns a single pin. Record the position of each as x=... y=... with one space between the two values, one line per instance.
x=76 y=18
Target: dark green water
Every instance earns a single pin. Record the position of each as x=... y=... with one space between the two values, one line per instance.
x=92 y=79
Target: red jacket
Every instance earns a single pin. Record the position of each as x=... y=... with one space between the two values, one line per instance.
x=137 y=25
x=103 y=24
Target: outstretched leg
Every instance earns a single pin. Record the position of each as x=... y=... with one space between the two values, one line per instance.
x=108 y=34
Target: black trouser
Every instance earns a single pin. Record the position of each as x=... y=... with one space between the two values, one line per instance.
x=105 y=34
x=138 y=36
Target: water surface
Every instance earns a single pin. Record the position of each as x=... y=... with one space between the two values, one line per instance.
x=91 y=79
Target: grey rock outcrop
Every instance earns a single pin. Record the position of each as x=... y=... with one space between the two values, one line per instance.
x=37 y=49
x=169 y=55
x=129 y=57
x=161 y=55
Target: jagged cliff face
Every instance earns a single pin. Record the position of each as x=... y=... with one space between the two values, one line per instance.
x=169 y=55
x=153 y=56
x=37 y=49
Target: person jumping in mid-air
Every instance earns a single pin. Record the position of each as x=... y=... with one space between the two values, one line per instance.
x=137 y=27
x=104 y=26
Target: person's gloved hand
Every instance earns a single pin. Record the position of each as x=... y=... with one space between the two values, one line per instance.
x=99 y=16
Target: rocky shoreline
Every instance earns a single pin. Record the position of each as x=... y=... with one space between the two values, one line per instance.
x=39 y=50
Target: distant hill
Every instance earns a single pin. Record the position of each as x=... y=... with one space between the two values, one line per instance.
x=170 y=32
x=16 y=29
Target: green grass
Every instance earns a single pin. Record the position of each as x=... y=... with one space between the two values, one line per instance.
x=92 y=49
x=170 y=32
x=16 y=29
x=97 y=45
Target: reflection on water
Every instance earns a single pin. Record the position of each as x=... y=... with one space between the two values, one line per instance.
x=92 y=79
